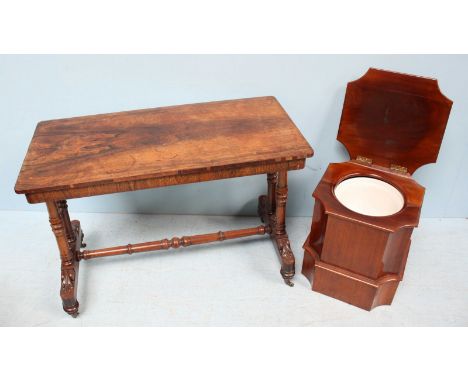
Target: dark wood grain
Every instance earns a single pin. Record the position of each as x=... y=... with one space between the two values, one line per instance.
x=76 y=153
x=411 y=190
x=391 y=124
x=394 y=118
x=140 y=184
x=108 y=153
x=357 y=258
x=69 y=239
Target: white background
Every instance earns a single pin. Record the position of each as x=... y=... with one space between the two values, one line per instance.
x=234 y=27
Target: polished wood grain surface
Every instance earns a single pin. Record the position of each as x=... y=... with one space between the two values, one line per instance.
x=175 y=242
x=391 y=124
x=412 y=191
x=134 y=150
x=161 y=142
x=394 y=119
x=357 y=258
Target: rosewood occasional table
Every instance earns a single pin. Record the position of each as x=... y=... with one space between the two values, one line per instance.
x=127 y=151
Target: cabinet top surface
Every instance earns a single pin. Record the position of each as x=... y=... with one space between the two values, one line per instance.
x=152 y=143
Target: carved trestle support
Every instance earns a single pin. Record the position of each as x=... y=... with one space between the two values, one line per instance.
x=272 y=211
x=69 y=231
x=175 y=242
x=66 y=235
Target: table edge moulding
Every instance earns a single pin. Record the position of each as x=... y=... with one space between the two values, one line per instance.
x=150 y=148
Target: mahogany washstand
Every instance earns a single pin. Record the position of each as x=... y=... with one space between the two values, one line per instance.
x=127 y=151
x=391 y=124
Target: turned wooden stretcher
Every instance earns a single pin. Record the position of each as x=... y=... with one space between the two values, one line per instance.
x=127 y=151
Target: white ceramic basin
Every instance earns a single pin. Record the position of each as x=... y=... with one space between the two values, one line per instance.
x=369 y=196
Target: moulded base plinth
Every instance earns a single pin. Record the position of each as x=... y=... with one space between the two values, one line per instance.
x=347 y=286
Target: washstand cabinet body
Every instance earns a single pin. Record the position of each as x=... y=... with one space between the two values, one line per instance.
x=391 y=124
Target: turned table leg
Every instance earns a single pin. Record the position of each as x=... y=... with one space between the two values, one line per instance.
x=281 y=237
x=69 y=236
x=272 y=210
x=272 y=179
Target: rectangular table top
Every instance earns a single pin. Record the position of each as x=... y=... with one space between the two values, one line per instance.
x=152 y=143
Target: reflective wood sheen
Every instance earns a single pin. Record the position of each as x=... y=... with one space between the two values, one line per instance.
x=127 y=151
x=159 y=147
x=394 y=118
x=389 y=121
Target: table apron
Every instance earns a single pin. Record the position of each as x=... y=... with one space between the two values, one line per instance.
x=133 y=185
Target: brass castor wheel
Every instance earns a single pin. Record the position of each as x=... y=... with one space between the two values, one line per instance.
x=73 y=311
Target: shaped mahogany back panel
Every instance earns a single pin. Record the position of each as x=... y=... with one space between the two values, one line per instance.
x=394 y=118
